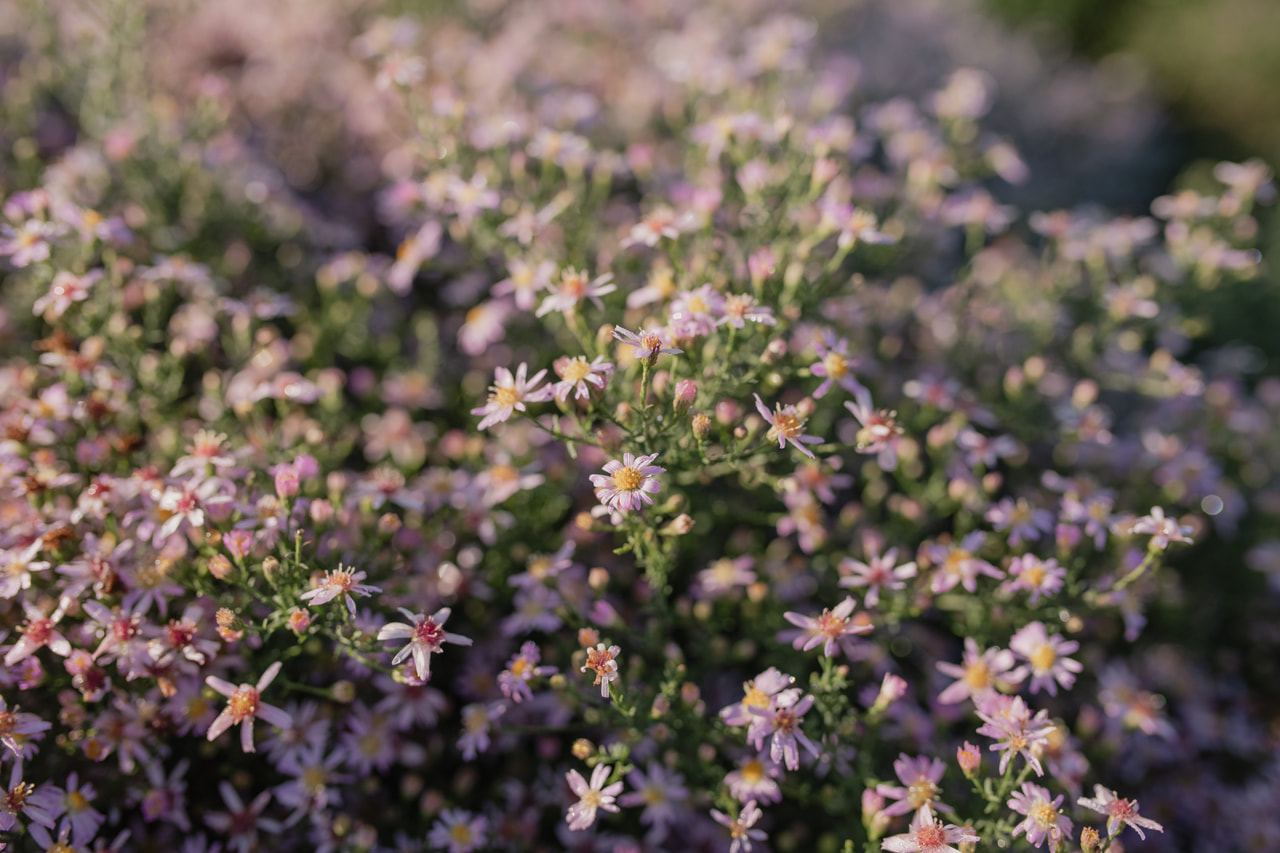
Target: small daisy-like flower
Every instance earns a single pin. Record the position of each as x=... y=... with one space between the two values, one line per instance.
x=40 y=807
x=1120 y=813
x=648 y=344
x=699 y=309
x=957 y=563
x=927 y=835
x=662 y=793
x=573 y=288
x=460 y=831
x=578 y=374
x=834 y=366
x=509 y=393
x=17 y=727
x=1038 y=577
x=1043 y=821
x=785 y=424
x=740 y=307
x=603 y=661
x=1009 y=722
x=626 y=485
x=833 y=629
x=341 y=581
x=426 y=636
x=37 y=632
x=244 y=703
x=740 y=828
x=525 y=281
x=881 y=571
x=521 y=669
x=920 y=777
x=979 y=675
x=65 y=289
x=781 y=720
x=1047 y=656
x=1163 y=529
x=591 y=797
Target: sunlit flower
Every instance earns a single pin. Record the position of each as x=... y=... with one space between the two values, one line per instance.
x=573 y=288
x=833 y=629
x=578 y=375
x=627 y=485
x=244 y=704
x=1043 y=820
x=603 y=661
x=509 y=394
x=1120 y=813
x=648 y=344
x=927 y=835
x=786 y=425
x=591 y=797
x=920 y=777
x=341 y=581
x=426 y=636
x=979 y=675
x=834 y=366
x=740 y=828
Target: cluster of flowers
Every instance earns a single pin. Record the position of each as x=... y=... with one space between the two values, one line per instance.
x=808 y=473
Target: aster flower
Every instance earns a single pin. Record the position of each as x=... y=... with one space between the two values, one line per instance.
x=18 y=727
x=1042 y=818
x=37 y=632
x=740 y=828
x=477 y=719
x=1038 y=577
x=521 y=669
x=740 y=307
x=573 y=288
x=603 y=661
x=699 y=310
x=65 y=289
x=979 y=674
x=460 y=831
x=1120 y=813
x=525 y=280
x=834 y=366
x=927 y=835
x=626 y=485
x=241 y=822
x=662 y=793
x=244 y=703
x=591 y=797
x=756 y=693
x=16 y=567
x=785 y=424
x=756 y=779
x=509 y=394
x=1009 y=722
x=1163 y=529
x=577 y=375
x=426 y=636
x=1047 y=657
x=920 y=777
x=40 y=805
x=879 y=572
x=648 y=344
x=957 y=564
x=832 y=629
x=1022 y=521
x=780 y=721
x=341 y=581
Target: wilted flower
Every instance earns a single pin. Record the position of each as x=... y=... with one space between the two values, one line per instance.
x=426 y=636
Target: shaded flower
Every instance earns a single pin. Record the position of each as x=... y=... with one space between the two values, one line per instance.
x=426 y=636
x=1047 y=656
x=740 y=828
x=831 y=629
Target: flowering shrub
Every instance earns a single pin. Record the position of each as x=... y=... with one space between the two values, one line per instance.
x=716 y=464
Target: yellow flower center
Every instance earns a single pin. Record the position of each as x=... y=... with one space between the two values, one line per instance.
x=1043 y=657
x=836 y=365
x=753 y=771
x=504 y=395
x=920 y=792
x=785 y=425
x=1034 y=575
x=243 y=703
x=461 y=833
x=576 y=370
x=627 y=479
x=697 y=305
x=755 y=697
x=977 y=675
x=1044 y=814
x=76 y=801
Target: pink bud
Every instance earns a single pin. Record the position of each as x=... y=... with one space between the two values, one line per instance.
x=286 y=482
x=686 y=392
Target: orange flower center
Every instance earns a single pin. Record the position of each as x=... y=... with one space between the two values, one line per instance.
x=627 y=479
x=243 y=703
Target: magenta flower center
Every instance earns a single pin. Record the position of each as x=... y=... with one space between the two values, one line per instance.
x=429 y=634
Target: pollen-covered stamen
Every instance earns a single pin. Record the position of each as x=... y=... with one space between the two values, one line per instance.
x=38 y=630
x=243 y=704
x=429 y=634
x=754 y=697
x=921 y=792
x=15 y=800
x=831 y=625
x=786 y=425
x=836 y=364
x=180 y=634
x=627 y=479
x=1044 y=814
x=575 y=370
x=930 y=836
x=978 y=675
x=504 y=395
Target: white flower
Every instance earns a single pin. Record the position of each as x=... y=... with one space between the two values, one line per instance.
x=426 y=636
x=591 y=797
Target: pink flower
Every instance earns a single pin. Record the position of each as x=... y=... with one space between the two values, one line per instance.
x=460 y=831
x=785 y=424
x=781 y=719
x=648 y=344
x=526 y=279
x=1163 y=529
x=65 y=289
x=508 y=394
x=1043 y=821
x=577 y=374
x=740 y=828
x=339 y=582
x=979 y=675
x=929 y=836
x=426 y=636
x=591 y=797
x=832 y=629
x=920 y=777
x=879 y=572
x=603 y=661
x=627 y=485
x=244 y=703
x=740 y=307
x=1009 y=722
x=834 y=366
x=573 y=288
x=1047 y=656
x=1038 y=577
x=1120 y=813
x=37 y=632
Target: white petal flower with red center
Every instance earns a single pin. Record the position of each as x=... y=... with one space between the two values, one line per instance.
x=244 y=704
x=1120 y=813
x=626 y=485
x=927 y=835
x=341 y=581
x=591 y=797
x=426 y=636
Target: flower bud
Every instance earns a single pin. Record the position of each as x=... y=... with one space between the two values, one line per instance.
x=701 y=426
x=1090 y=842
x=680 y=525
x=220 y=567
x=286 y=482
x=598 y=578
x=270 y=568
x=389 y=524
x=321 y=511
x=583 y=749
x=775 y=350
x=686 y=391
x=761 y=265
x=299 y=621
x=969 y=759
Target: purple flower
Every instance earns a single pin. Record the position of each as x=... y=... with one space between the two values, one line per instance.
x=508 y=394
x=244 y=704
x=627 y=485
x=1043 y=821
x=832 y=629
x=880 y=571
x=781 y=719
x=573 y=288
x=920 y=777
x=834 y=366
x=1008 y=720
x=1038 y=577
x=1047 y=656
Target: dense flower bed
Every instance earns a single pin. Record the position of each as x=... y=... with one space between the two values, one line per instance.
x=617 y=432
